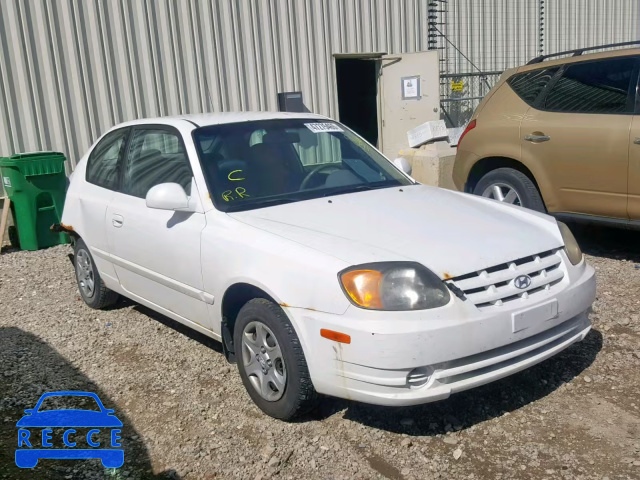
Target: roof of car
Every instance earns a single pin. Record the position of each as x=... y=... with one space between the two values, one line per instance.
x=205 y=119
x=580 y=58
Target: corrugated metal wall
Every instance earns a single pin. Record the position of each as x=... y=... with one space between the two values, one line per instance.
x=71 y=69
x=500 y=34
x=571 y=24
x=492 y=34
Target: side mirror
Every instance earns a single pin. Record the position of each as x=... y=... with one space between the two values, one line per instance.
x=29 y=411
x=168 y=196
x=403 y=164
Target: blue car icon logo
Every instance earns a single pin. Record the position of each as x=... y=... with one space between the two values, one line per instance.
x=36 y=433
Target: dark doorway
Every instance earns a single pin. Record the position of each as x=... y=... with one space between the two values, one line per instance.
x=357 y=81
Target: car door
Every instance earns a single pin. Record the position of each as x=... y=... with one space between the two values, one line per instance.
x=102 y=181
x=633 y=203
x=156 y=253
x=577 y=133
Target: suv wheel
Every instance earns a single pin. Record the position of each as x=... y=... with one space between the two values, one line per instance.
x=510 y=186
x=92 y=290
x=271 y=362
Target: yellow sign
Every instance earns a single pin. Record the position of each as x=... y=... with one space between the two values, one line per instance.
x=457 y=86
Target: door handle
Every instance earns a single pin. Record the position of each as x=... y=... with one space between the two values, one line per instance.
x=537 y=138
x=117 y=220
x=637 y=141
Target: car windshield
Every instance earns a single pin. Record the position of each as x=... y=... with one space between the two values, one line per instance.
x=263 y=163
x=69 y=402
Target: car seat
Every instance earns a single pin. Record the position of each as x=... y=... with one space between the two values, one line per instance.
x=276 y=167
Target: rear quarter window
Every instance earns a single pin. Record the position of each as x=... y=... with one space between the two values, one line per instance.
x=102 y=166
x=529 y=85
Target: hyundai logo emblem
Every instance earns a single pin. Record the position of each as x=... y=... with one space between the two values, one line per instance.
x=522 y=281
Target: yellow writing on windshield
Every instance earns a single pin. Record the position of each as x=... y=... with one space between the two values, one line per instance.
x=233 y=178
x=228 y=195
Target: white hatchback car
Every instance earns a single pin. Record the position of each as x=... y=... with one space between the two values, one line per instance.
x=321 y=266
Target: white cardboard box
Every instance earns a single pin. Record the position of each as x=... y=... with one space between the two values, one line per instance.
x=426 y=132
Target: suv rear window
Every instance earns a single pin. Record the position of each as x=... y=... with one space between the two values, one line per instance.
x=593 y=87
x=529 y=85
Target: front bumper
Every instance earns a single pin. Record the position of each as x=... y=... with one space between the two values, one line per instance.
x=424 y=356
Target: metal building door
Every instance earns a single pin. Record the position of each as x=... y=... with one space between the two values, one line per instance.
x=409 y=95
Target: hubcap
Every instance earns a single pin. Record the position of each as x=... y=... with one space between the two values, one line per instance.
x=263 y=361
x=503 y=193
x=84 y=271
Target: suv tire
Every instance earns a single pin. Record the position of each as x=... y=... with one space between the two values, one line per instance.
x=92 y=289
x=262 y=325
x=507 y=182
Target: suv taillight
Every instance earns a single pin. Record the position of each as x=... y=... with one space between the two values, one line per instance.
x=471 y=126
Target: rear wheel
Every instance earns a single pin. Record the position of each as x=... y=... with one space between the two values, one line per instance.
x=92 y=290
x=510 y=186
x=271 y=362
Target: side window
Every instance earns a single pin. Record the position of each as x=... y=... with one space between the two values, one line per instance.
x=102 y=166
x=529 y=85
x=155 y=157
x=593 y=87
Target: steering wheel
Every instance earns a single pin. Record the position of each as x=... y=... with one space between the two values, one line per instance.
x=314 y=170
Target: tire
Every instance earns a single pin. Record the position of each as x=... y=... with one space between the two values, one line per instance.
x=527 y=193
x=92 y=289
x=294 y=394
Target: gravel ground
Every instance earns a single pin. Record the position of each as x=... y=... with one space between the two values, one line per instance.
x=186 y=414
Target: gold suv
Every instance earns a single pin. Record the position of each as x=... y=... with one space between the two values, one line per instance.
x=561 y=136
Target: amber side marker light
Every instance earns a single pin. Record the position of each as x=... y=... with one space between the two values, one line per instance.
x=335 y=336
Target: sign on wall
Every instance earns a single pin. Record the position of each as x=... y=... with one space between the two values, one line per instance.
x=457 y=86
x=411 y=87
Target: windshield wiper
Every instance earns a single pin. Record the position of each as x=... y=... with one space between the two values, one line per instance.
x=306 y=195
x=358 y=188
x=261 y=203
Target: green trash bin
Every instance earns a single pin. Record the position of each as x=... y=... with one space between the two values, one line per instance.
x=36 y=183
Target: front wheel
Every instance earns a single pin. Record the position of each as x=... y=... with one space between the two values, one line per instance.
x=271 y=362
x=510 y=186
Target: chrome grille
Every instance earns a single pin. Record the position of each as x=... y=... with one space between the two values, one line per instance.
x=494 y=286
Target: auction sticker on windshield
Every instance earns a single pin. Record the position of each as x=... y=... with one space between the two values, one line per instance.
x=323 y=127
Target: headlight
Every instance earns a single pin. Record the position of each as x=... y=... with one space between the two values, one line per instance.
x=571 y=246
x=393 y=286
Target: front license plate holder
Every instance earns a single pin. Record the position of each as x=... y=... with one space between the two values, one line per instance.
x=534 y=316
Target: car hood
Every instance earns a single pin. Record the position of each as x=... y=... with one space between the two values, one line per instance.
x=451 y=233
x=69 y=418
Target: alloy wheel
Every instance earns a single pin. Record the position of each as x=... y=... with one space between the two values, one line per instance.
x=263 y=361
x=84 y=271
x=503 y=193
